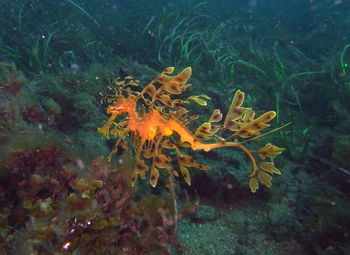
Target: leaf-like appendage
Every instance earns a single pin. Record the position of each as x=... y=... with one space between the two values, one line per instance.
x=253 y=184
x=269 y=151
x=162 y=161
x=269 y=167
x=165 y=99
x=235 y=111
x=173 y=87
x=265 y=178
x=183 y=76
x=141 y=168
x=203 y=131
x=198 y=99
x=169 y=70
x=167 y=144
x=150 y=89
x=173 y=171
x=216 y=116
x=248 y=129
x=185 y=160
x=154 y=177
x=186 y=174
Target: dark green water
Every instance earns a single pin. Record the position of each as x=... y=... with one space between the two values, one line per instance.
x=59 y=63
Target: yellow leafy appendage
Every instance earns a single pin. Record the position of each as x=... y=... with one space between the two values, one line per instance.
x=153 y=122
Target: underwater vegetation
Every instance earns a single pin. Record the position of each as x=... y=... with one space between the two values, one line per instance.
x=89 y=214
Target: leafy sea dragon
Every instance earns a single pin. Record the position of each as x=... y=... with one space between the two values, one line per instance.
x=153 y=123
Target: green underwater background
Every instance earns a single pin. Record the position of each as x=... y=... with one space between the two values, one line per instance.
x=59 y=194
